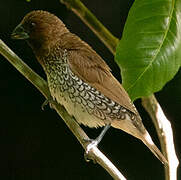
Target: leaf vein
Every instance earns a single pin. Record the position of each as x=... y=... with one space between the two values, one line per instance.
x=161 y=44
x=149 y=17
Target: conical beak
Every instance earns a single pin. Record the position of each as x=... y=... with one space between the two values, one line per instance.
x=19 y=33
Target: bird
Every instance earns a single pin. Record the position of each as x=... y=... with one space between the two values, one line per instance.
x=79 y=79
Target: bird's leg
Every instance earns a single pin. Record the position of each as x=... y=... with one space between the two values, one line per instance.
x=50 y=101
x=96 y=141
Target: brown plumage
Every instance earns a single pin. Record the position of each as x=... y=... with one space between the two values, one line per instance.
x=79 y=79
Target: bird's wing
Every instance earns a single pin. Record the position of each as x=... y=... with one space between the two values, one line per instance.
x=90 y=67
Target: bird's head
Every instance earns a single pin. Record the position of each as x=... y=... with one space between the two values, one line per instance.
x=39 y=28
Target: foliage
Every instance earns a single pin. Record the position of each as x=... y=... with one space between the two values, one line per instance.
x=149 y=53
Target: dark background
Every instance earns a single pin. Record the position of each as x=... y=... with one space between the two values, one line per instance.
x=36 y=144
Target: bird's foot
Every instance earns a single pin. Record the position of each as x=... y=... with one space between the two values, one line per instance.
x=49 y=101
x=94 y=143
x=91 y=144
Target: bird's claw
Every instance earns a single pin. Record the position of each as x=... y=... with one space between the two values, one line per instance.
x=44 y=104
x=86 y=157
x=50 y=101
x=92 y=144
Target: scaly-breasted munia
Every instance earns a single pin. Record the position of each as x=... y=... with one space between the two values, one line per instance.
x=79 y=79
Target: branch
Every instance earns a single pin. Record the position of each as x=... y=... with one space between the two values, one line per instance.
x=164 y=131
x=91 y=21
x=95 y=154
x=161 y=123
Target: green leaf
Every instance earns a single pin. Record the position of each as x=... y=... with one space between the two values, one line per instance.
x=149 y=53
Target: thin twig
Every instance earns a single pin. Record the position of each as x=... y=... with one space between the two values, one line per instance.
x=164 y=130
x=95 y=154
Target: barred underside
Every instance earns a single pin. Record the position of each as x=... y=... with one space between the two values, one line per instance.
x=80 y=99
